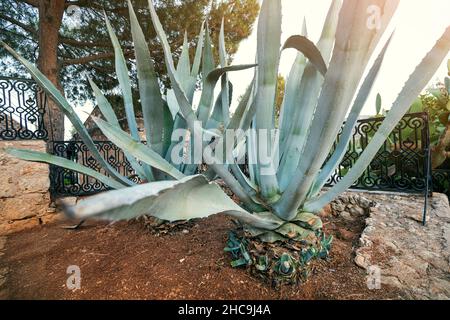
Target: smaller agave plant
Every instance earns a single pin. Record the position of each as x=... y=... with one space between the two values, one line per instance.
x=279 y=198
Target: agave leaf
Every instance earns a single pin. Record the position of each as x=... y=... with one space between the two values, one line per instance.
x=206 y=99
x=216 y=121
x=308 y=49
x=271 y=237
x=152 y=102
x=241 y=108
x=124 y=81
x=354 y=46
x=172 y=103
x=309 y=220
x=347 y=132
x=108 y=112
x=184 y=65
x=192 y=197
x=196 y=63
x=378 y=104
x=304 y=100
x=124 y=141
x=68 y=111
x=180 y=94
x=225 y=94
x=43 y=157
x=416 y=82
x=198 y=53
x=295 y=232
x=208 y=63
x=268 y=56
x=168 y=125
x=189 y=115
x=290 y=94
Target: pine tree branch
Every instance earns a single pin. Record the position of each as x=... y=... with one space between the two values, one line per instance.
x=24 y=26
x=95 y=57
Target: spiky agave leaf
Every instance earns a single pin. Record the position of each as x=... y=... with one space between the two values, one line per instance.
x=36 y=156
x=350 y=123
x=108 y=112
x=124 y=141
x=268 y=56
x=153 y=105
x=189 y=198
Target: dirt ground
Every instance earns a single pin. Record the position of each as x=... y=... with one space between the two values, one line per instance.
x=126 y=261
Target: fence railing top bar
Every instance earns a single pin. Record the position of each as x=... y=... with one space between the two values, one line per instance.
x=17 y=79
x=423 y=115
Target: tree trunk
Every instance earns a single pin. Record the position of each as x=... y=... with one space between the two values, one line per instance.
x=50 y=18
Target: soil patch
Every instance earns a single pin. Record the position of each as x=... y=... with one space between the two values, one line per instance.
x=125 y=261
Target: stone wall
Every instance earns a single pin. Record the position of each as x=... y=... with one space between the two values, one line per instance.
x=395 y=248
x=24 y=189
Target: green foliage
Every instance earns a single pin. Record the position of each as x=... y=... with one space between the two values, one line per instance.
x=79 y=46
x=284 y=262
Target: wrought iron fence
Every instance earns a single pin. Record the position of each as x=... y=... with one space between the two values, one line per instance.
x=400 y=164
x=66 y=182
x=441 y=181
x=22 y=110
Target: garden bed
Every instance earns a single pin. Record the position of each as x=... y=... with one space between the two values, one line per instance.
x=126 y=261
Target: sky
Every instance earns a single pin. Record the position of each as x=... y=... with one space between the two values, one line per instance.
x=418 y=24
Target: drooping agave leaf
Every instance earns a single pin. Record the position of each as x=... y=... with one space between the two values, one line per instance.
x=124 y=141
x=69 y=112
x=192 y=197
x=124 y=81
x=304 y=99
x=354 y=46
x=352 y=118
x=206 y=99
x=290 y=94
x=416 y=82
x=309 y=50
x=43 y=157
x=152 y=102
x=268 y=56
x=108 y=112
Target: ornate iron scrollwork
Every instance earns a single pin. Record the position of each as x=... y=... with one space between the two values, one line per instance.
x=399 y=165
x=22 y=109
